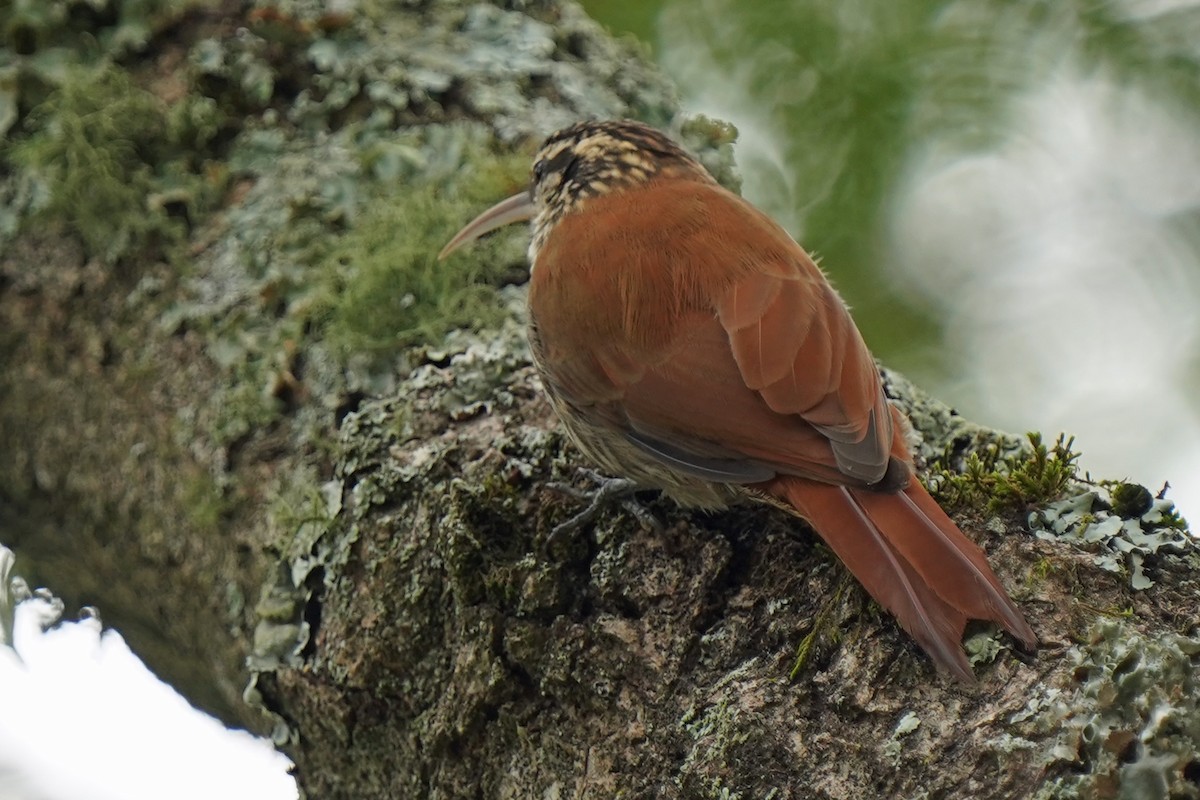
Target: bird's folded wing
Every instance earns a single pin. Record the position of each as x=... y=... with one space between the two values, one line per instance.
x=796 y=346
x=739 y=358
x=698 y=401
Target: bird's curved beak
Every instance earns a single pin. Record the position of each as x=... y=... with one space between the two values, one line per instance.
x=518 y=208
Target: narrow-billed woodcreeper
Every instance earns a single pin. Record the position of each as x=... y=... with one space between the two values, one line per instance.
x=689 y=344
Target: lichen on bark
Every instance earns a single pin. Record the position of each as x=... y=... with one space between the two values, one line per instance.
x=267 y=369
x=640 y=664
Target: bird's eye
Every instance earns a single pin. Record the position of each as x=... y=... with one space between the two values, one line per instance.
x=539 y=171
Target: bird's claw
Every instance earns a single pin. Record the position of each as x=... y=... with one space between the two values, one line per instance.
x=609 y=490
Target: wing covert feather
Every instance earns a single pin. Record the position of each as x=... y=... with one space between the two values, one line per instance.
x=816 y=367
x=756 y=359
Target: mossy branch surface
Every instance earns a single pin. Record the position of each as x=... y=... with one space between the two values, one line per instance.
x=305 y=409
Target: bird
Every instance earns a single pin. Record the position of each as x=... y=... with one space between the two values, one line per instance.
x=689 y=344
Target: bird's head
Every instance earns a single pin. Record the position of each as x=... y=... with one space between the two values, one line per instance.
x=585 y=160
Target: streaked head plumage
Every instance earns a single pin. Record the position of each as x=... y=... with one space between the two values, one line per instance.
x=582 y=161
x=594 y=158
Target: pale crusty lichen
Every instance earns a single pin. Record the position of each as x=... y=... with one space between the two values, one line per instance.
x=1127 y=725
x=1125 y=543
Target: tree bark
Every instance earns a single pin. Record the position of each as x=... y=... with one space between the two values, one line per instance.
x=189 y=450
x=446 y=654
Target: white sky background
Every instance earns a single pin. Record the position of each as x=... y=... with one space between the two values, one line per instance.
x=1065 y=264
x=81 y=718
x=1068 y=275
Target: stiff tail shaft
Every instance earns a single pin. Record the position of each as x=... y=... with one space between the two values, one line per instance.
x=913 y=560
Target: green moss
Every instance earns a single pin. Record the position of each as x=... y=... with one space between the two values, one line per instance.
x=301 y=510
x=91 y=147
x=204 y=502
x=95 y=132
x=106 y=162
x=44 y=43
x=246 y=405
x=388 y=289
x=1000 y=481
x=824 y=628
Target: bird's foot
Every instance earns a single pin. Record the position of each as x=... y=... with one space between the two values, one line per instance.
x=608 y=491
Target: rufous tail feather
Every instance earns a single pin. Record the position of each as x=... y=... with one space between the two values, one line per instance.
x=913 y=560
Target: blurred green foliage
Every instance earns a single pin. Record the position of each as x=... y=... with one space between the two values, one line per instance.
x=855 y=92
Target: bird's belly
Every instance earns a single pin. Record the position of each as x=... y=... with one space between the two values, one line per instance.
x=615 y=455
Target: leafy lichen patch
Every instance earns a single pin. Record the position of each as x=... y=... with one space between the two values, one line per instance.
x=1127 y=725
x=1127 y=539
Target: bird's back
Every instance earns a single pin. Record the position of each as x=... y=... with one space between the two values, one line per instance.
x=678 y=312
